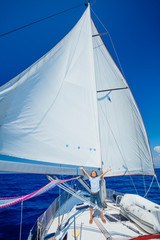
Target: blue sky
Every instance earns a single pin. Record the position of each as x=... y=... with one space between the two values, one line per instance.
x=134 y=26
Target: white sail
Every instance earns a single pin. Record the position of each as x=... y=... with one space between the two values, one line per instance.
x=61 y=111
x=48 y=113
x=124 y=142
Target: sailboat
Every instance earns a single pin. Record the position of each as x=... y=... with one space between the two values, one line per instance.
x=73 y=108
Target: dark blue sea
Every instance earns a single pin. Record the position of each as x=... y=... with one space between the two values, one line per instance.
x=22 y=184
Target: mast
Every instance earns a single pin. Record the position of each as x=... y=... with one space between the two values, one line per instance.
x=103 y=191
x=103 y=183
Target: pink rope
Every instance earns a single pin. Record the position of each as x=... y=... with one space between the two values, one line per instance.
x=42 y=190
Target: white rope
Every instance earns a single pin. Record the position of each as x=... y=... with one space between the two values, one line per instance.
x=149 y=187
x=72 y=192
x=20 y=232
x=157 y=181
x=93 y=2
x=143 y=177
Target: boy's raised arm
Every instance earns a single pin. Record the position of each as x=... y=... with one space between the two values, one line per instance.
x=105 y=172
x=85 y=172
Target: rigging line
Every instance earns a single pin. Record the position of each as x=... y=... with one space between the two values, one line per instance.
x=110 y=40
x=149 y=187
x=119 y=150
x=40 y=20
x=59 y=202
x=70 y=190
x=65 y=206
x=93 y=2
x=20 y=232
x=85 y=181
x=144 y=183
x=157 y=181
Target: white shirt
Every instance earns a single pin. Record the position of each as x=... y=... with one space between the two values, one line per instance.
x=95 y=186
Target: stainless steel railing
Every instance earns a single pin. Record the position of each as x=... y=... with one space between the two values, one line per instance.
x=43 y=222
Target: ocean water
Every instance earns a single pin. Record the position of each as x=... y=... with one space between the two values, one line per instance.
x=22 y=184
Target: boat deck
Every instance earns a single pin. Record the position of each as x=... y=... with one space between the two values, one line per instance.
x=75 y=222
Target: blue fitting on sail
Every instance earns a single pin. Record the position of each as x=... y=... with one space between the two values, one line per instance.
x=126 y=169
x=106 y=96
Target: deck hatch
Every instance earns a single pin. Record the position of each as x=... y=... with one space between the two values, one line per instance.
x=119 y=217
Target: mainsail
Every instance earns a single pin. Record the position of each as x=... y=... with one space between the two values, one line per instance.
x=51 y=114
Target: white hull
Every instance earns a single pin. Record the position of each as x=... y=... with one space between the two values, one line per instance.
x=73 y=218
